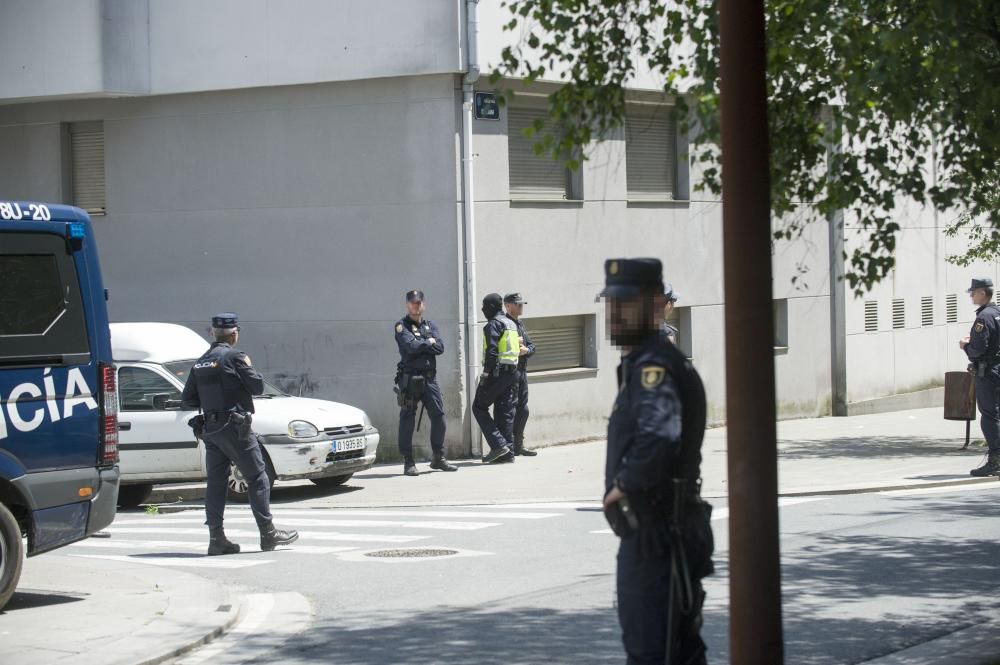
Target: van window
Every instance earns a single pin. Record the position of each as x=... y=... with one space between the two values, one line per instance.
x=41 y=310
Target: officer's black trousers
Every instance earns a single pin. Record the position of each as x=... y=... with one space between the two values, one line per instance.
x=988 y=401
x=520 y=405
x=496 y=392
x=643 y=597
x=223 y=446
x=434 y=405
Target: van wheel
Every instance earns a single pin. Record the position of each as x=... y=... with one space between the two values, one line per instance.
x=131 y=496
x=238 y=489
x=11 y=554
x=332 y=481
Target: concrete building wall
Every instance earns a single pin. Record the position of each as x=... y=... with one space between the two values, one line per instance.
x=308 y=210
x=153 y=47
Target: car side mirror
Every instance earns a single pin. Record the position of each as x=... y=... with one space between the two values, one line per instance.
x=163 y=402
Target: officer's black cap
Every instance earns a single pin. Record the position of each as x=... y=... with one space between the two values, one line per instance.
x=981 y=283
x=415 y=295
x=515 y=299
x=626 y=278
x=493 y=300
x=226 y=320
x=669 y=293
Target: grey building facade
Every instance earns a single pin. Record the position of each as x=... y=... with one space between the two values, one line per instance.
x=306 y=163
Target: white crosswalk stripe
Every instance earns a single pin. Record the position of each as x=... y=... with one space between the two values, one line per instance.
x=180 y=539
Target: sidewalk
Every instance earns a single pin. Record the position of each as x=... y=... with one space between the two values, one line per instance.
x=110 y=612
x=815 y=456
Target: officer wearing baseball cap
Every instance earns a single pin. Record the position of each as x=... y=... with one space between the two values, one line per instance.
x=514 y=305
x=419 y=343
x=222 y=384
x=652 y=475
x=982 y=346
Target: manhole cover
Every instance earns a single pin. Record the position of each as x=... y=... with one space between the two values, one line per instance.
x=410 y=553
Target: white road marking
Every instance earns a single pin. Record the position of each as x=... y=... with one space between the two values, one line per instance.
x=110 y=543
x=320 y=513
x=722 y=512
x=193 y=562
x=305 y=535
x=296 y=521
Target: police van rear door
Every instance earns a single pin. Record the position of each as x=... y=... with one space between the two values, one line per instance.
x=48 y=369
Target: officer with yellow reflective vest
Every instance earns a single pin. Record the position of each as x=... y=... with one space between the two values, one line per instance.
x=501 y=350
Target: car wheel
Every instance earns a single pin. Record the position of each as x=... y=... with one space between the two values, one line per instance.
x=11 y=554
x=238 y=489
x=130 y=496
x=332 y=481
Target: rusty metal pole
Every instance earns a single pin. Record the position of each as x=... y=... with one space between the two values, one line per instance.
x=755 y=633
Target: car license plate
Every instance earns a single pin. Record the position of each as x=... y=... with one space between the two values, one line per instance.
x=344 y=445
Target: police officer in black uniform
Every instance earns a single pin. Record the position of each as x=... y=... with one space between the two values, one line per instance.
x=495 y=389
x=221 y=385
x=669 y=301
x=514 y=304
x=982 y=346
x=652 y=476
x=419 y=342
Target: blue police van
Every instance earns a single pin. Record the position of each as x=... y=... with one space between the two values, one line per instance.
x=58 y=406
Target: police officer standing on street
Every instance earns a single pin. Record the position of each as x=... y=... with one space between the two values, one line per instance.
x=670 y=300
x=514 y=304
x=501 y=350
x=982 y=346
x=652 y=476
x=419 y=342
x=222 y=384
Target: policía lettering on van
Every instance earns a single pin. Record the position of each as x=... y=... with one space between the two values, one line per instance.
x=26 y=412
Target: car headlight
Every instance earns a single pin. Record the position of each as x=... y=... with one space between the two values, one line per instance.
x=300 y=429
x=366 y=421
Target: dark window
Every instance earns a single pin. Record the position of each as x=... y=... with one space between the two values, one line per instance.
x=137 y=386
x=41 y=310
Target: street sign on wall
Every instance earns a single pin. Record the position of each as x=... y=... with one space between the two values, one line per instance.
x=487 y=107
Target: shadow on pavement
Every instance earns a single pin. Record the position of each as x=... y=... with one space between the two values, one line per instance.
x=509 y=636
x=26 y=600
x=874 y=446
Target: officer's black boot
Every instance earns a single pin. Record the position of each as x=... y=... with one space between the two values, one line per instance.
x=496 y=455
x=409 y=466
x=441 y=464
x=991 y=468
x=519 y=448
x=219 y=544
x=271 y=537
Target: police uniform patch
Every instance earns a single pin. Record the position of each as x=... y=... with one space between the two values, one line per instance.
x=399 y=327
x=613 y=268
x=652 y=376
x=246 y=359
x=979 y=326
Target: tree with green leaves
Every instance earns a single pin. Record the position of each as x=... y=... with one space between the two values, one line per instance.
x=906 y=91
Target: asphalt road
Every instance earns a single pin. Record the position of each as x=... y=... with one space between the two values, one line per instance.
x=863 y=575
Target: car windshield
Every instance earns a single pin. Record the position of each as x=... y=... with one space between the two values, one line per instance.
x=181 y=369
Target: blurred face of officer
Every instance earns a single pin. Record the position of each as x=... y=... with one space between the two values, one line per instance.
x=979 y=297
x=631 y=320
x=415 y=309
x=515 y=310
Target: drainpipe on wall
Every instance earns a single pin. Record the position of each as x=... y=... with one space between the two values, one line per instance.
x=838 y=296
x=469 y=219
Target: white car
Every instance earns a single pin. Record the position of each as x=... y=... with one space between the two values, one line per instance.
x=325 y=442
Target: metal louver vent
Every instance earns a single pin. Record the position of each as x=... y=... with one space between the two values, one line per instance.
x=871 y=316
x=951 y=308
x=87 y=149
x=927 y=311
x=557 y=348
x=898 y=313
x=650 y=140
x=532 y=176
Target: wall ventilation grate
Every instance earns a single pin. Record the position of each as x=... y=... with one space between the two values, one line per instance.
x=871 y=316
x=898 y=313
x=927 y=311
x=951 y=308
